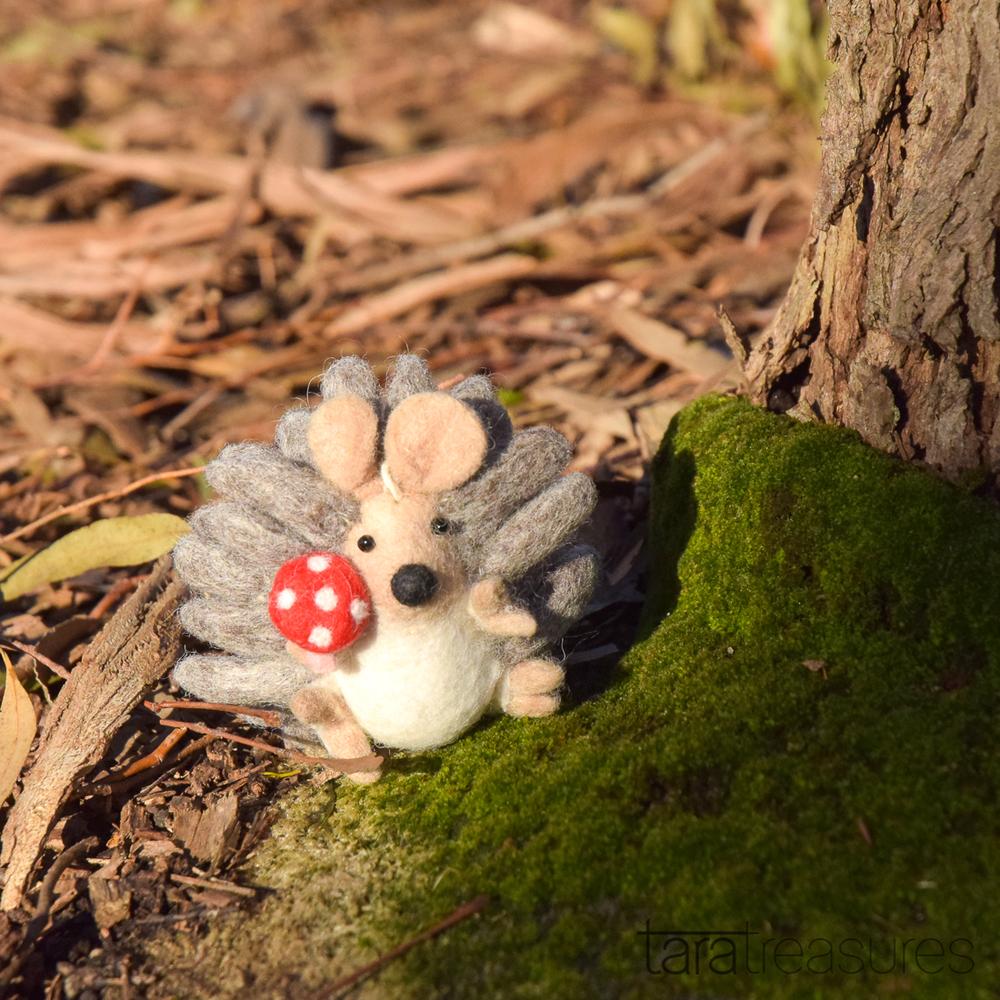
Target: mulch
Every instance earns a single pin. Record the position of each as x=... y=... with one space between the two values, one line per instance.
x=200 y=207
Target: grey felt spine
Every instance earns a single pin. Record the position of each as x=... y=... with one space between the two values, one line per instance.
x=517 y=518
x=350 y=377
x=408 y=376
x=290 y=435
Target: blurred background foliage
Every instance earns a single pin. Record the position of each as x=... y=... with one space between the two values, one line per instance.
x=695 y=44
x=692 y=44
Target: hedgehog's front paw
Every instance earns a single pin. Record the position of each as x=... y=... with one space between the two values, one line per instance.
x=329 y=715
x=531 y=688
x=491 y=607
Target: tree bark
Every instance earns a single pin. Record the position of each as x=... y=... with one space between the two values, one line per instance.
x=892 y=322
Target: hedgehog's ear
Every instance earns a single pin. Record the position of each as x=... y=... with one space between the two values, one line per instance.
x=343 y=439
x=433 y=443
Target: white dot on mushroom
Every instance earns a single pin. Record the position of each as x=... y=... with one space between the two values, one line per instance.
x=321 y=637
x=326 y=598
x=359 y=609
x=318 y=563
x=285 y=599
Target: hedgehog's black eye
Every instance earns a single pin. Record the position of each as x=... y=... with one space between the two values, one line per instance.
x=366 y=543
x=440 y=526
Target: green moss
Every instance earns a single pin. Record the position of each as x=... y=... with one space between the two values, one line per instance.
x=718 y=783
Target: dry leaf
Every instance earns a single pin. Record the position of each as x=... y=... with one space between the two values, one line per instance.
x=115 y=541
x=17 y=729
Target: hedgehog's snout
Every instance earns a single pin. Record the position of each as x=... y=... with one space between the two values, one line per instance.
x=414 y=584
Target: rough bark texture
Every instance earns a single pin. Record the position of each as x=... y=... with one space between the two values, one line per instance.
x=891 y=325
x=132 y=652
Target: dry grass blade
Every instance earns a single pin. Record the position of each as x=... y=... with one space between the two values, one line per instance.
x=117 y=325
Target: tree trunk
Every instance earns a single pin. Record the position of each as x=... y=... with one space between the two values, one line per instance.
x=892 y=322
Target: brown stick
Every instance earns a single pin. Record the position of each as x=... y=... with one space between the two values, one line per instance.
x=122 y=785
x=463 y=912
x=118 y=590
x=345 y=765
x=44 y=660
x=46 y=895
x=72 y=508
x=271 y=718
x=152 y=759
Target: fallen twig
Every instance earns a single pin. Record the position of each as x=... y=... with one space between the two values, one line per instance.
x=158 y=755
x=44 y=660
x=72 y=508
x=117 y=590
x=46 y=894
x=346 y=765
x=270 y=718
x=122 y=785
x=463 y=912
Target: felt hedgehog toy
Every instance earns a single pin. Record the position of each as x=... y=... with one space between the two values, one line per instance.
x=398 y=563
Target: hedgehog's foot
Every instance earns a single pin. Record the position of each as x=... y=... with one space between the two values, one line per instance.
x=327 y=713
x=531 y=688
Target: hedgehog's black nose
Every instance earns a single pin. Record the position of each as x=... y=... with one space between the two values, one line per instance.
x=414 y=584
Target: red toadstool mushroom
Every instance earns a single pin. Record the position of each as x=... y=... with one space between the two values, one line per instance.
x=320 y=602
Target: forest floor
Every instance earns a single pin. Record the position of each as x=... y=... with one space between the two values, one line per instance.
x=200 y=205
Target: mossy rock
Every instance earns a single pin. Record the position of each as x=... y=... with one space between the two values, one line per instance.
x=803 y=746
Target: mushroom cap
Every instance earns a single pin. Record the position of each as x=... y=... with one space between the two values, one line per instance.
x=320 y=602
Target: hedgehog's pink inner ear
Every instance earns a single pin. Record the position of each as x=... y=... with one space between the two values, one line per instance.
x=433 y=443
x=343 y=439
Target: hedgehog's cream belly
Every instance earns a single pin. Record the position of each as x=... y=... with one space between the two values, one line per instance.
x=421 y=685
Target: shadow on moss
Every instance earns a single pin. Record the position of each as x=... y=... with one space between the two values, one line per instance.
x=803 y=745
